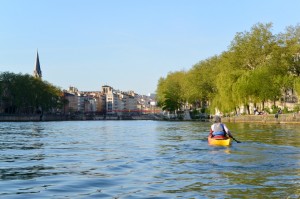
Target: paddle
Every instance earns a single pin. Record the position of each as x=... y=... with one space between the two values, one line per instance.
x=235 y=139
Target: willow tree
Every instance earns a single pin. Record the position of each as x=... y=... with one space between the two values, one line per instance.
x=225 y=99
x=170 y=93
x=201 y=81
x=258 y=67
x=250 y=50
x=297 y=84
x=266 y=85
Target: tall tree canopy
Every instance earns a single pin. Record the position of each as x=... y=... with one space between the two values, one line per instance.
x=170 y=91
x=258 y=67
x=26 y=94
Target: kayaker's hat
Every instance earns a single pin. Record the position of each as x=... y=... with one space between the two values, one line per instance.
x=217 y=119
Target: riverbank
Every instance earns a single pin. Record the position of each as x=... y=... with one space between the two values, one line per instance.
x=270 y=118
x=76 y=117
x=31 y=117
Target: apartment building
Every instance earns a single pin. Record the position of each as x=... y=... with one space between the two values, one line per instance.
x=78 y=101
x=127 y=103
x=71 y=104
x=107 y=101
x=110 y=99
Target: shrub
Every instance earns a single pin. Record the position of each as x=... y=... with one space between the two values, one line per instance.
x=267 y=109
x=297 y=108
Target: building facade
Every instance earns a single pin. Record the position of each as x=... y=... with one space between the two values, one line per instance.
x=108 y=101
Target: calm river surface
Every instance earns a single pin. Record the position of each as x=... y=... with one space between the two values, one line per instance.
x=147 y=159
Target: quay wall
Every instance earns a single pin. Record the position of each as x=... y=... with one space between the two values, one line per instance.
x=269 y=118
x=53 y=117
x=31 y=117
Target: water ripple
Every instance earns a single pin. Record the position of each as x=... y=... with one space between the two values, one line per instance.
x=144 y=159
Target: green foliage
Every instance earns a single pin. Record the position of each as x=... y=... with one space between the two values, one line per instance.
x=26 y=94
x=291 y=48
x=258 y=67
x=275 y=109
x=169 y=92
x=201 y=80
x=267 y=109
x=251 y=49
x=297 y=108
x=297 y=85
x=285 y=110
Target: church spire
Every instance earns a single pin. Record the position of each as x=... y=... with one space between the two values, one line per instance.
x=37 y=70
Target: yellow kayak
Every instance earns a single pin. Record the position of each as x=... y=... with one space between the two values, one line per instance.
x=219 y=141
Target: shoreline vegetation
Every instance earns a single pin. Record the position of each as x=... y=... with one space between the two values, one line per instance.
x=259 y=70
x=291 y=118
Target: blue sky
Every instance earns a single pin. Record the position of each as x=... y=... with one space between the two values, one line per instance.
x=127 y=44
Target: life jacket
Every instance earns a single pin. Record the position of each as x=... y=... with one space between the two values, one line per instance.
x=218 y=130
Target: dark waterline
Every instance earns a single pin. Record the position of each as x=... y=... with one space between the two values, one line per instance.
x=146 y=159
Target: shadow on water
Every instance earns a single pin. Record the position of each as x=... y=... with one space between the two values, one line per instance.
x=25 y=173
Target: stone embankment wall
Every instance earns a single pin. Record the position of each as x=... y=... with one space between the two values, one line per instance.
x=53 y=117
x=269 y=118
x=34 y=117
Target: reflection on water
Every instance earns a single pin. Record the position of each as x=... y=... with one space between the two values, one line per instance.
x=146 y=159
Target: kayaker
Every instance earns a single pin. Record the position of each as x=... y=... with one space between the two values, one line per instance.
x=219 y=129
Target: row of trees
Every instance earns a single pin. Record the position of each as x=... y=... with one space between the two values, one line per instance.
x=258 y=67
x=26 y=94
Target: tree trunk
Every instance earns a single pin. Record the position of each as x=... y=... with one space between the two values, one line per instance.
x=248 y=109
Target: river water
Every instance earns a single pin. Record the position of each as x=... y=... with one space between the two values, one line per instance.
x=147 y=159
